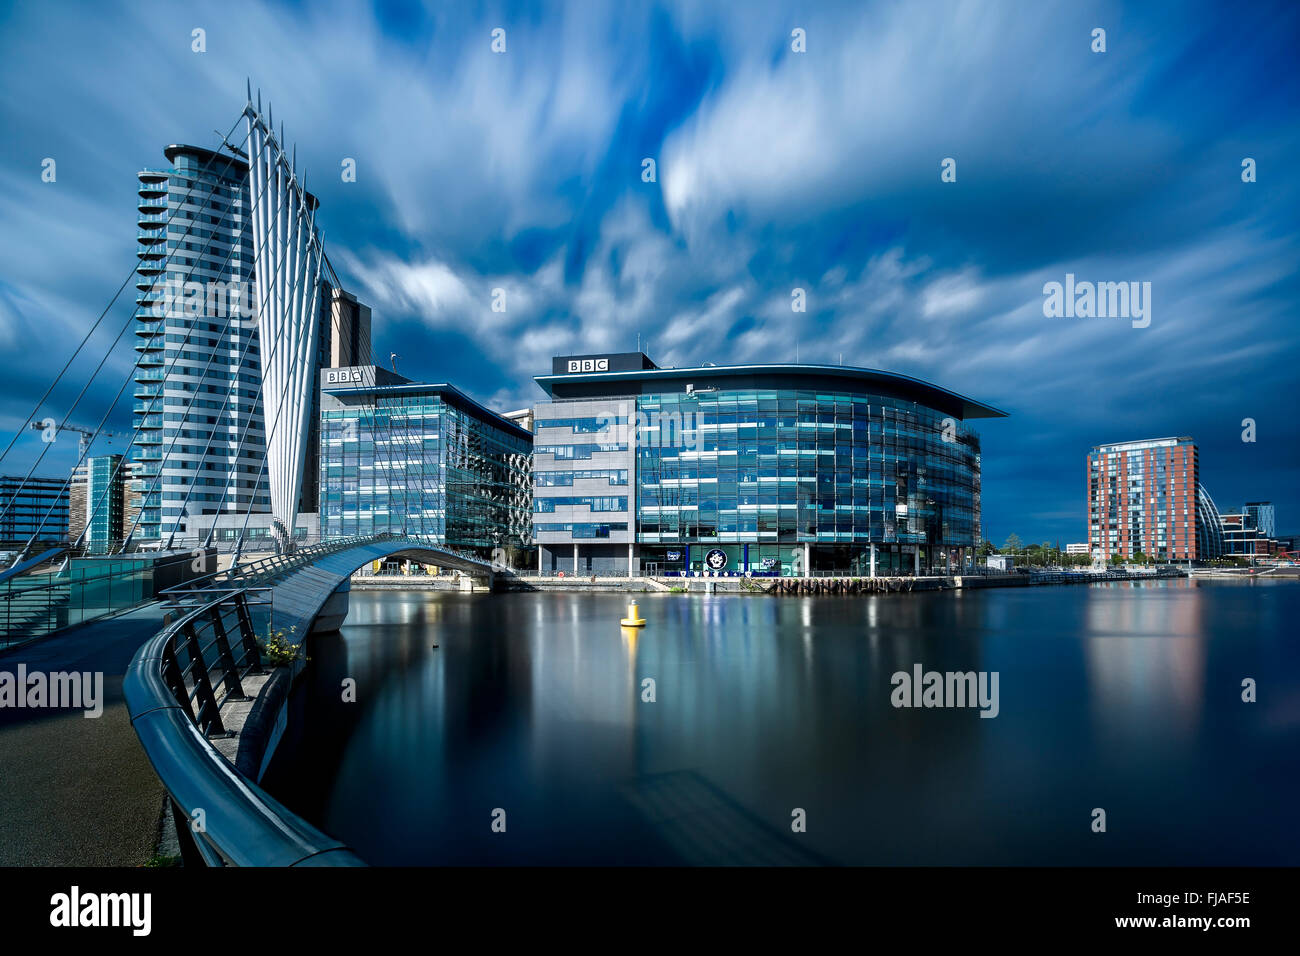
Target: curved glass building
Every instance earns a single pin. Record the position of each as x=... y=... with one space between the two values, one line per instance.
x=759 y=469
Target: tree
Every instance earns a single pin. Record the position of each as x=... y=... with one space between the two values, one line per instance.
x=986 y=548
x=1012 y=545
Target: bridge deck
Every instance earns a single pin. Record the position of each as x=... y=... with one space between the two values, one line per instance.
x=73 y=791
x=79 y=792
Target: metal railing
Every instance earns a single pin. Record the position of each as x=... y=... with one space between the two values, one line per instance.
x=175 y=687
x=265 y=569
x=36 y=605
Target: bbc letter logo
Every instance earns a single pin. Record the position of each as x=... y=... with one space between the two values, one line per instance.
x=589 y=365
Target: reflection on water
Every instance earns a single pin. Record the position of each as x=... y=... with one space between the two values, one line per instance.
x=1147 y=662
x=1122 y=696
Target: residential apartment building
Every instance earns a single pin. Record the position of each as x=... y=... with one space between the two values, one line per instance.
x=1145 y=498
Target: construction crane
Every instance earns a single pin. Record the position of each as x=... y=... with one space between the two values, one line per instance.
x=83 y=442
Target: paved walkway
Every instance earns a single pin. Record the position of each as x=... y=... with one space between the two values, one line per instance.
x=79 y=792
x=73 y=791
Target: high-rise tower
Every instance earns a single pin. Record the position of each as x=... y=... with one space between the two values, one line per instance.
x=194 y=269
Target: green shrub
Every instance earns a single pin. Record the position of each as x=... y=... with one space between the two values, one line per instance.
x=278 y=650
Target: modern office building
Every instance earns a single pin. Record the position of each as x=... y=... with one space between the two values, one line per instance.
x=759 y=469
x=32 y=507
x=397 y=455
x=91 y=490
x=202 y=438
x=343 y=340
x=1261 y=517
x=1145 y=498
x=1242 y=538
x=103 y=500
x=1080 y=547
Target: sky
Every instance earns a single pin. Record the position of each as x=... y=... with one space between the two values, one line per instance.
x=775 y=169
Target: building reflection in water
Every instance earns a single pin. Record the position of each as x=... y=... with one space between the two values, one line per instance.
x=532 y=703
x=1145 y=661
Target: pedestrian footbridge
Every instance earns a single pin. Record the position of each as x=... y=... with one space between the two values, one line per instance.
x=178 y=682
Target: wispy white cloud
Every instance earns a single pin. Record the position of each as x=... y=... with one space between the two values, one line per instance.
x=521 y=172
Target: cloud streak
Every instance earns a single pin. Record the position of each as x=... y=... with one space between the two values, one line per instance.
x=776 y=171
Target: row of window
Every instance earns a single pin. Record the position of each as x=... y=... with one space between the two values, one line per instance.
x=594 y=502
x=576 y=452
x=581 y=425
x=565 y=479
x=582 y=530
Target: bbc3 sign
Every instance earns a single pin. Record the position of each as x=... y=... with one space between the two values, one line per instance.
x=588 y=365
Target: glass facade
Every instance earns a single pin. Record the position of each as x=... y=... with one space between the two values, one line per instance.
x=33 y=506
x=753 y=469
x=1262 y=517
x=423 y=460
x=773 y=467
x=104 y=481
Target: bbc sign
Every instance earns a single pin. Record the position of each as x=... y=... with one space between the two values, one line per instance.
x=336 y=376
x=588 y=365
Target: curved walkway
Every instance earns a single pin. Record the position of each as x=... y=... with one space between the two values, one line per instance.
x=81 y=792
x=77 y=791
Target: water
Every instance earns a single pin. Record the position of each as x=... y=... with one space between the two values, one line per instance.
x=1125 y=697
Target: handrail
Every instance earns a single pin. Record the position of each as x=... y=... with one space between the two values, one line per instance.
x=175 y=686
x=241 y=824
x=277 y=563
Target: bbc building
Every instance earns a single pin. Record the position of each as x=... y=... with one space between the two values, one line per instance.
x=751 y=469
x=411 y=458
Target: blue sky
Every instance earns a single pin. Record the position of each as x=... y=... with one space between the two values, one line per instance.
x=776 y=170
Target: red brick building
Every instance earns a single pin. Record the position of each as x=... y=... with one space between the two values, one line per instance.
x=1145 y=497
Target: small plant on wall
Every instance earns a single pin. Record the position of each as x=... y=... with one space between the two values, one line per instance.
x=279 y=649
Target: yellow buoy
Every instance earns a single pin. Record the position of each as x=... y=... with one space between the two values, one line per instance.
x=634 y=618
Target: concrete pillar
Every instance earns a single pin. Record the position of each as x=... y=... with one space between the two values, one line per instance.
x=807 y=559
x=541 y=553
x=916 y=559
x=575 y=557
x=873 y=560
x=630 y=570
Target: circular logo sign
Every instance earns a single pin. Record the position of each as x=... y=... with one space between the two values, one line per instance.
x=716 y=559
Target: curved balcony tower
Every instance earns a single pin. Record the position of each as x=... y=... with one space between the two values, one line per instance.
x=1209 y=526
